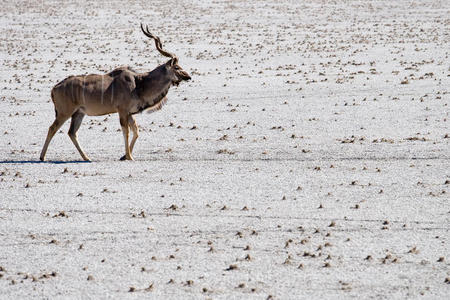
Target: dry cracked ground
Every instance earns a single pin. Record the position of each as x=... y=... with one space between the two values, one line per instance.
x=308 y=158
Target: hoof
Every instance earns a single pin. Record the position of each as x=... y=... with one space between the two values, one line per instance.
x=126 y=158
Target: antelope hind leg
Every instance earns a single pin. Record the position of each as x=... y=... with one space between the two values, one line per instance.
x=59 y=121
x=75 y=124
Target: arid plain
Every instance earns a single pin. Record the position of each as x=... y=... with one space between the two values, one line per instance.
x=308 y=157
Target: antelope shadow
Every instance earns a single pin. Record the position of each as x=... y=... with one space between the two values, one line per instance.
x=56 y=162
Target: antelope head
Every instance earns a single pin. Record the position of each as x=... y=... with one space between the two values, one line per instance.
x=175 y=73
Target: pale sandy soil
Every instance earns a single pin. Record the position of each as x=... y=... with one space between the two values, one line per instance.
x=308 y=158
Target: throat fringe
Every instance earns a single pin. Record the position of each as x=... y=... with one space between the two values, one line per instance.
x=154 y=105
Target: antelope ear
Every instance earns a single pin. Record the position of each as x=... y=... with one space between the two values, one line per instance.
x=173 y=61
x=170 y=63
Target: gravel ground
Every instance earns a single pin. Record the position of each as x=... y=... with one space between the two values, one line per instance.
x=308 y=158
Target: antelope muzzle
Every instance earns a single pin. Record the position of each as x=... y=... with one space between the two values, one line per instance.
x=183 y=75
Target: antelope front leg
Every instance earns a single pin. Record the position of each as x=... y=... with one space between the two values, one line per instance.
x=133 y=125
x=124 y=123
x=134 y=128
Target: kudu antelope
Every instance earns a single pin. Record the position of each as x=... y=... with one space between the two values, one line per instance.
x=121 y=91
